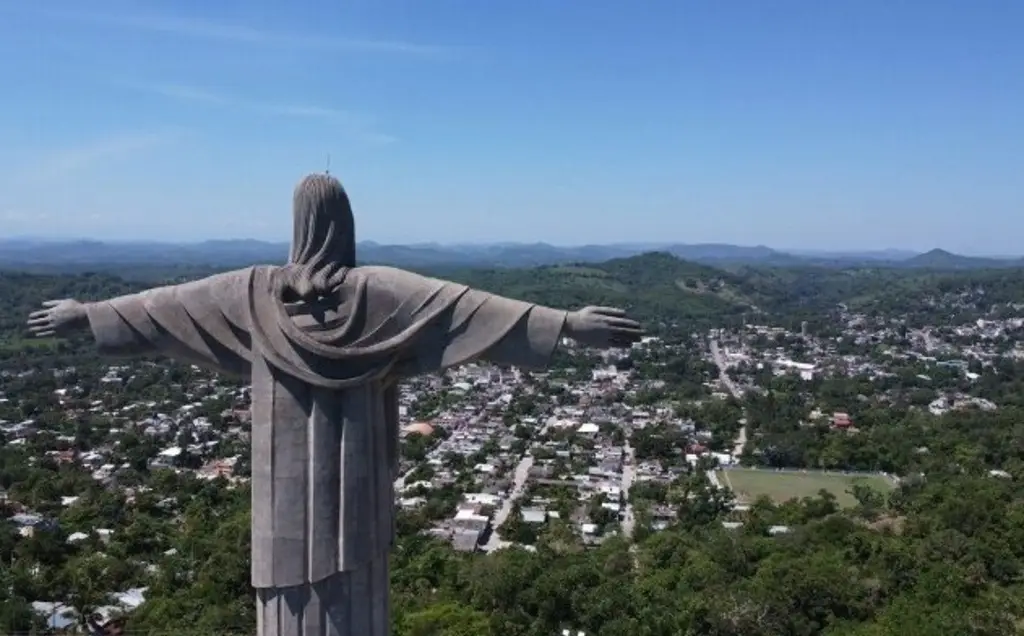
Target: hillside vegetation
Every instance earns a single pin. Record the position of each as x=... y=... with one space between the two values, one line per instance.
x=654 y=286
x=661 y=289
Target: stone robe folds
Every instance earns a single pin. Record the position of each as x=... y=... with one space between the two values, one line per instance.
x=324 y=410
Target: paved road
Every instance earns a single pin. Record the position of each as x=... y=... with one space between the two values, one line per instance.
x=740 y=442
x=716 y=353
x=719 y=358
x=522 y=471
x=400 y=482
x=628 y=474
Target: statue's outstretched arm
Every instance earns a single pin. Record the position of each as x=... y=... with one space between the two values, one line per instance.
x=522 y=334
x=480 y=325
x=201 y=322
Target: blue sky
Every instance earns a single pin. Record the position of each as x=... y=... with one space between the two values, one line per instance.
x=847 y=124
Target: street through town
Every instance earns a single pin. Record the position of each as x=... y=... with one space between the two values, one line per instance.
x=522 y=472
x=740 y=441
x=628 y=474
x=400 y=482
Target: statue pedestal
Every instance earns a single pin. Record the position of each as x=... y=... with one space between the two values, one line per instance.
x=353 y=603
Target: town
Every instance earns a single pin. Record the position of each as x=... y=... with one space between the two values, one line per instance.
x=602 y=445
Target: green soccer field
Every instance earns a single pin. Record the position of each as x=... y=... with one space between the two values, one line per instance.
x=749 y=484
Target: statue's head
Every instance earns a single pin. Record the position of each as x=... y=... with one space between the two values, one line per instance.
x=324 y=230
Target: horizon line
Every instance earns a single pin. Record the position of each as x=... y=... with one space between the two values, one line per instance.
x=641 y=244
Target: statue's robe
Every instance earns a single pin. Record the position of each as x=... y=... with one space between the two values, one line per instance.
x=324 y=412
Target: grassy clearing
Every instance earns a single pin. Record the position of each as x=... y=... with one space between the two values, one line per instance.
x=749 y=484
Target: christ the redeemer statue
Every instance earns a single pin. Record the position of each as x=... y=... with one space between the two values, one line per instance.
x=324 y=343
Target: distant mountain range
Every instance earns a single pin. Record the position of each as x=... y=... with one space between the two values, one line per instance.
x=39 y=253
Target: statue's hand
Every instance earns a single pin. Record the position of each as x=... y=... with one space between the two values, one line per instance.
x=59 y=318
x=602 y=327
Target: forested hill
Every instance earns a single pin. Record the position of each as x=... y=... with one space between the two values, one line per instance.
x=665 y=292
x=668 y=291
x=658 y=287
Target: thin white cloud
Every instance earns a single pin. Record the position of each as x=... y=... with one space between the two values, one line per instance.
x=353 y=124
x=238 y=34
x=59 y=163
x=86 y=156
x=18 y=215
x=184 y=93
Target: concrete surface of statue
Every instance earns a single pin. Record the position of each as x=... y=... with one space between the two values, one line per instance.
x=324 y=343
